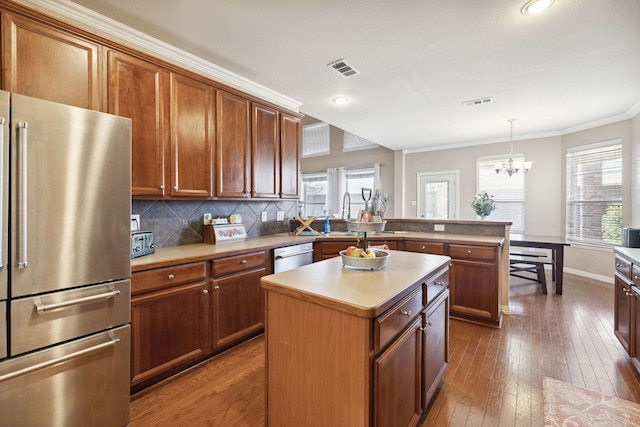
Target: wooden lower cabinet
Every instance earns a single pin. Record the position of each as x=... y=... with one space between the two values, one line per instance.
x=474 y=284
x=435 y=345
x=170 y=329
x=237 y=307
x=623 y=310
x=396 y=375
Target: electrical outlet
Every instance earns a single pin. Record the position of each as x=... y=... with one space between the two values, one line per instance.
x=438 y=227
x=185 y=221
x=264 y=216
x=280 y=216
x=206 y=219
x=414 y=203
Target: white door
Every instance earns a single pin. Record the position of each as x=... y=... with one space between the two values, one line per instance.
x=438 y=195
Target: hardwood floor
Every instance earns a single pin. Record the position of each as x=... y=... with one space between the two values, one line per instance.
x=494 y=376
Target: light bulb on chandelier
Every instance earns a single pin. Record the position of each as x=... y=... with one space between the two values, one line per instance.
x=512 y=167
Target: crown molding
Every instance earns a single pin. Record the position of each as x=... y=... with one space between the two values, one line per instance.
x=98 y=24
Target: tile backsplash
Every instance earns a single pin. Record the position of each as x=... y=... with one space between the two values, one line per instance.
x=179 y=222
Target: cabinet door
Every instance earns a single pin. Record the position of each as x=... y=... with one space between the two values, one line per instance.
x=474 y=291
x=622 y=312
x=635 y=330
x=265 y=152
x=435 y=346
x=191 y=137
x=238 y=307
x=140 y=91
x=289 y=156
x=396 y=379
x=232 y=146
x=169 y=329
x=50 y=64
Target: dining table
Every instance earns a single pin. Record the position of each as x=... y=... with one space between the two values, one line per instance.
x=554 y=243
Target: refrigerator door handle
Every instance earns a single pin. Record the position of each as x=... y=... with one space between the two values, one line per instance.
x=2 y=123
x=22 y=195
x=41 y=308
x=55 y=361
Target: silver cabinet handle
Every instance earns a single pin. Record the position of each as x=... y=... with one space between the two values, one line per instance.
x=438 y=283
x=244 y=261
x=2 y=123
x=65 y=358
x=41 y=308
x=22 y=195
x=404 y=313
x=171 y=277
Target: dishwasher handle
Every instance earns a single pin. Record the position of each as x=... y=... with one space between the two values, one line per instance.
x=293 y=254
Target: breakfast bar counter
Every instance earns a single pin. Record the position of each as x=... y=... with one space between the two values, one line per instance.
x=356 y=347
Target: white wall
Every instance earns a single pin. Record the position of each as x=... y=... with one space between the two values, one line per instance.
x=544 y=185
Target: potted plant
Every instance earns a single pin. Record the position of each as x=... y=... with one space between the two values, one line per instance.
x=483 y=204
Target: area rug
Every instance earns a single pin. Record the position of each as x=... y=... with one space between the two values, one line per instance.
x=569 y=406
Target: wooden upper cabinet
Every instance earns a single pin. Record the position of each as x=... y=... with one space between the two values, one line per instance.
x=140 y=91
x=265 y=152
x=191 y=137
x=289 y=156
x=47 y=63
x=232 y=154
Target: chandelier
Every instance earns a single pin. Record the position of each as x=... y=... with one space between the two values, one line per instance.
x=512 y=167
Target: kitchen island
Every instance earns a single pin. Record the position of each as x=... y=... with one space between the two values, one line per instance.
x=356 y=347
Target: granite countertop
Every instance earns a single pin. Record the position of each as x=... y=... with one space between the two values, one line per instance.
x=364 y=293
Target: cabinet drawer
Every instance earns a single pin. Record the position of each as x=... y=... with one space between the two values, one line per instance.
x=623 y=267
x=635 y=275
x=469 y=252
x=424 y=247
x=434 y=287
x=333 y=248
x=391 y=323
x=234 y=264
x=145 y=281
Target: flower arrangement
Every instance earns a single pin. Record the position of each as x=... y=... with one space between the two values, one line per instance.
x=483 y=204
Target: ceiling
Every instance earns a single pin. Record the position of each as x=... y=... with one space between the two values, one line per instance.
x=575 y=66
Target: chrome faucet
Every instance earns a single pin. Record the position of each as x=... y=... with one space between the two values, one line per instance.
x=346 y=201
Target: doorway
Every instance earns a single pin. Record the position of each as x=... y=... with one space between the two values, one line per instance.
x=438 y=195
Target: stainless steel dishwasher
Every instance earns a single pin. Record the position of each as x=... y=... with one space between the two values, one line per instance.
x=290 y=257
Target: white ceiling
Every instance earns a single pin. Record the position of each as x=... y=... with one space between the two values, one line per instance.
x=574 y=66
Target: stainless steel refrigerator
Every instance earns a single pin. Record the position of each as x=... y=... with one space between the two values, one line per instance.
x=65 y=265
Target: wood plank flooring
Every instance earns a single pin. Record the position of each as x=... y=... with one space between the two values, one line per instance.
x=494 y=376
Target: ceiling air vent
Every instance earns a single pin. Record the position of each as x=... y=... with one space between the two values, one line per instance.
x=343 y=68
x=479 y=101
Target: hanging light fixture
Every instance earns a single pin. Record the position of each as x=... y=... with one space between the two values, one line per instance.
x=511 y=167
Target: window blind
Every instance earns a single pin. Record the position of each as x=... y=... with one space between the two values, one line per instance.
x=594 y=193
x=507 y=191
x=352 y=142
x=315 y=139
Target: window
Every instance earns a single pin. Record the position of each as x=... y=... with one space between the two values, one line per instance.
x=351 y=142
x=315 y=139
x=316 y=188
x=314 y=193
x=357 y=179
x=507 y=191
x=594 y=193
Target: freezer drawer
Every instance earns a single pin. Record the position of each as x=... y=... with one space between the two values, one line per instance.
x=80 y=383
x=42 y=320
x=3 y=329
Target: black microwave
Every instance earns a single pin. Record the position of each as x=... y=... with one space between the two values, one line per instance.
x=631 y=237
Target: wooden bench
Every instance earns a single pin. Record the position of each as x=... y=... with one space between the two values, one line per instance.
x=530 y=262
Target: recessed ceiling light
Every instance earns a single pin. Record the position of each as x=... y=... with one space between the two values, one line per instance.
x=340 y=100
x=533 y=7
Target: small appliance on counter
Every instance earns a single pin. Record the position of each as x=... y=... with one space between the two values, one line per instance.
x=141 y=241
x=631 y=237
